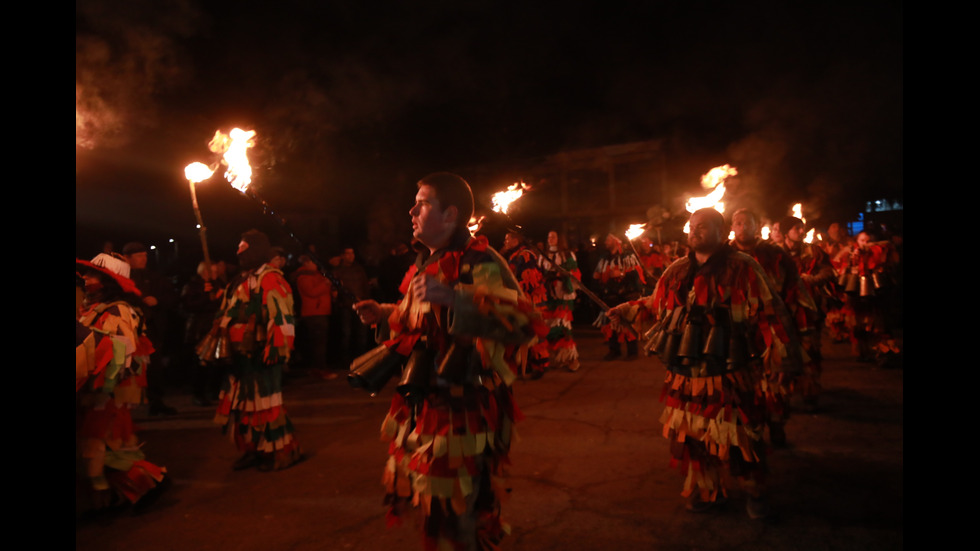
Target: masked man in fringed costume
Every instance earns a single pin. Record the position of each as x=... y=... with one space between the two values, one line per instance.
x=254 y=329
x=111 y=358
x=718 y=328
x=560 y=266
x=461 y=331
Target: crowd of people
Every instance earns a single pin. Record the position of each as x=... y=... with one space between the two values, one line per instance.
x=736 y=321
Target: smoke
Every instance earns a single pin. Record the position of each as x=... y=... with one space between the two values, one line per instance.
x=126 y=56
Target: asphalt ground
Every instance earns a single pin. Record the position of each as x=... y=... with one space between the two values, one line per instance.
x=590 y=472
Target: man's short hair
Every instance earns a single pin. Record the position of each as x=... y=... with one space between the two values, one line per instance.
x=451 y=190
x=711 y=214
x=748 y=212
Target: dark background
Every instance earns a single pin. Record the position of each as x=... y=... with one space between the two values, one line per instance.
x=355 y=101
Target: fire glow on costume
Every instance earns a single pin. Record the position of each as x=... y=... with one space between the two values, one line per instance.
x=255 y=329
x=449 y=441
x=524 y=264
x=112 y=355
x=557 y=309
x=717 y=329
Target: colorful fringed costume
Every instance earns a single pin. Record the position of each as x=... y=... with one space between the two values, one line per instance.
x=111 y=358
x=557 y=309
x=256 y=323
x=619 y=276
x=817 y=278
x=449 y=441
x=524 y=265
x=864 y=276
x=718 y=330
x=778 y=265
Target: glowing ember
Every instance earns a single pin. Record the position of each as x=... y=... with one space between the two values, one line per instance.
x=635 y=230
x=714 y=180
x=503 y=199
x=235 y=146
x=197 y=172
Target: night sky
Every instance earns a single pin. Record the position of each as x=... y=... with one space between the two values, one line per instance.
x=357 y=99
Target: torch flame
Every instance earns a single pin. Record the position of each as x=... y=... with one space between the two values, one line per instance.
x=503 y=199
x=635 y=230
x=809 y=235
x=798 y=212
x=714 y=180
x=475 y=224
x=197 y=172
x=765 y=232
x=234 y=146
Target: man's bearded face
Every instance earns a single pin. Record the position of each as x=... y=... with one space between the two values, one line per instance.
x=705 y=236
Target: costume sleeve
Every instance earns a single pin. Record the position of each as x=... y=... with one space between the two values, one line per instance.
x=769 y=322
x=277 y=299
x=94 y=352
x=489 y=309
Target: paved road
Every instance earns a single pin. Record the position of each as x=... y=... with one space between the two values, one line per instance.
x=590 y=473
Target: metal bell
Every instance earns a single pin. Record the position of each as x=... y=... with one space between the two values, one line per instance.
x=373 y=370
x=714 y=345
x=867 y=288
x=690 y=346
x=416 y=375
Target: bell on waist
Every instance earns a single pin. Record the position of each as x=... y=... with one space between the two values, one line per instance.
x=714 y=345
x=373 y=370
x=416 y=375
x=690 y=345
x=867 y=286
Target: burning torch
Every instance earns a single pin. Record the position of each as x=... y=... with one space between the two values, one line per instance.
x=198 y=172
x=233 y=147
x=502 y=201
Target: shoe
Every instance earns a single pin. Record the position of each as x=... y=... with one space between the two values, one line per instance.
x=150 y=497
x=757 y=507
x=630 y=357
x=573 y=367
x=250 y=459
x=611 y=356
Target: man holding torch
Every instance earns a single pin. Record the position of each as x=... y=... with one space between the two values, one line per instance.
x=461 y=330
x=717 y=322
